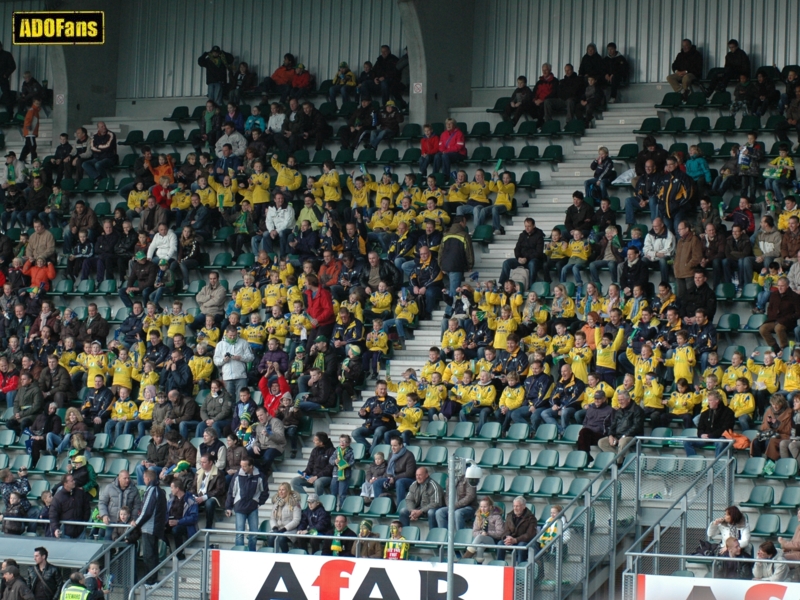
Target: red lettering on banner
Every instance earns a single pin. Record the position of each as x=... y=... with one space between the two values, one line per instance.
x=765 y=591
x=330 y=582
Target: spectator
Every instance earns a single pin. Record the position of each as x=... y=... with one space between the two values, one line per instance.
x=570 y=90
x=248 y=491
x=314 y=127
x=615 y=70
x=319 y=307
x=343 y=83
x=104 y=153
x=565 y=400
x=520 y=528
x=318 y=470
x=280 y=82
x=737 y=249
x=180 y=451
x=528 y=252
x=152 y=522
x=231 y=356
x=366 y=549
x=604 y=173
x=44 y=579
x=766 y=248
x=28 y=404
x=21 y=486
x=338 y=547
x=42 y=242
x=45 y=424
x=713 y=423
x=792 y=121
x=626 y=425
x=314 y=520
x=268 y=441
x=791 y=546
x=520 y=102
x=426 y=279
x=456 y=257
x=237 y=144
x=733 y=569
x=650 y=151
x=487 y=528
x=674 y=192
x=400 y=472
x=591 y=64
x=383 y=75
x=182 y=515
x=217 y=64
x=210 y=486
x=15 y=587
x=686 y=68
x=119 y=493
x=579 y=215
x=466 y=503
x=659 y=248
x=596 y=422
x=736 y=63
x=424 y=497
x=157 y=454
x=285 y=517
x=70 y=503
x=771 y=566
x=688 y=255
x=451 y=147
x=783 y=310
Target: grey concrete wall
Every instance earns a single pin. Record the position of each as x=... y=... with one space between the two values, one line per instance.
x=91 y=71
x=439 y=34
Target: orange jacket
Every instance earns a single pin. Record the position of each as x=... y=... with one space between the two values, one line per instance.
x=166 y=170
x=283 y=75
x=31 y=124
x=329 y=273
x=40 y=276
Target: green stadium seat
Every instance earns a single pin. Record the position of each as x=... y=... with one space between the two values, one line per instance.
x=659 y=432
x=491 y=458
x=719 y=100
x=649 y=126
x=179 y=113
x=481 y=129
x=411 y=156
x=571 y=435
x=545 y=434
x=483 y=233
x=628 y=152
x=772 y=123
x=518 y=459
x=521 y=485
x=433 y=429
x=526 y=129
x=728 y=354
x=504 y=129
x=530 y=180
x=463 y=431
x=528 y=154
x=554 y=153
x=753 y=468
x=725 y=292
x=492 y=484
x=547 y=459
x=499 y=105
x=550 y=129
x=674 y=126
x=141 y=447
x=601 y=461
x=37 y=487
x=490 y=432
x=576 y=460
x=790 y=499
x=352 y=505
x=728 y=323
x=505 y=153
x=328 y=502
x=114 y=468
x=134 y=137
x=670 y=100
x=550 y=487
x=45 y=464
x=465 y=452
x=518 y=432
x=767 y=526
x=379 y=507
x=696 y=101
x=410 y=132
x=749 y=123
x=750 y=292
x=576 y=128
x=480 y=155
x=389 y=156
x=123 y=444
x=723 y=125
x=577 y=487
x=761 y=496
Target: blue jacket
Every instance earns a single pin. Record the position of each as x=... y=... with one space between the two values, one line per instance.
x=232 y=162
x=247 y=492
x=190 y=513
x=385 y=419
x=567 y=394
x=536 y=389
x=153 y=518
x=697 y=167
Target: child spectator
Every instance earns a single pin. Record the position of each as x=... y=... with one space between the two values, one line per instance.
x=742 y=216
x=681 y=404
x=749 y=156
x=57 y=205
x=728 y=175
x=350 y=375
x=161 y=192
x=780 y=173
x=254 y=121
x=80 y=252
x=765 y=95
x=137 y=200
x=435 y=396
x=597 y=187
x=344 y=84
x=342 y=461
x=593 y=101
x=579 y=252
x=291 y=416
x=388 y=125
x=768 y=280
x=377 y=348
x=14 y=509
x=429 y=145
x=743 y=404
x=744 y=95
x=697 y=167
x=377 y=470
x=557 y=253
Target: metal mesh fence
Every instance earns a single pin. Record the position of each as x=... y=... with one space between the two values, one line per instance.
x=120 y=571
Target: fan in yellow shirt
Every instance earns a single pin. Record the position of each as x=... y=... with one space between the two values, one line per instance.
x=454 y=337
x=435 y=394
x=455 y=368
x=408 y=420
x=512 y=398
x=201 y=365
x=681 y=404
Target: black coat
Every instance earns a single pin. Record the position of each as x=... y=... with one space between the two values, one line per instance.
x=45 y=583
x=695 y=298
x=592 y=65
x=691 y=62
x=581 y=217
x=216 y=73
x=571 y=88
x=319 y=461
x=633 y=275
x=67 y=506
x=530 y=245
x=738 y=62
x=715 y=422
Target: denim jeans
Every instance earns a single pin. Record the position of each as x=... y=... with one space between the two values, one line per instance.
x=251 y=520
x=186 y=427
x=95 y=168
x=464 y=518
x=378 y=136
x=594 y=270
x=533 y=266
x=401 y=487
x=731 y=267
x=339 y=488
x=266 y=243
x=692 y=447
x=443 y=161
x=550 y=417
x=601 y=183
x=114 y=429
x=574 y=268
x=140 y=469
x=360 y=435
x=454 y=278
x=370 y=88
x=496 y=212
x=425 y=162
x=774 y=185
x=347 y=92
x=632 y=207
x=663 y=267
x=300 y=485
x=475 y=211
x=398 y=324
x=483 y=413
x=215 y=93
x=57 y=443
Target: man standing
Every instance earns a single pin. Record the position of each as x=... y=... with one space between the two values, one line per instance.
x=596 y=423
x=231 y=357
x=152 y=522
x=182 y=515
x=15 y=586
x=76 y=588
x=247 y=492
x=688 y=254
x=44 y=579
x=217 y=64
x=424 y=497
x=104 y=257
x=114 y=496
x=70 y=503
x=674 y=193
x=426 y=279
x=626 y=425
x=7 y=67
x=783 y=309
x=528 y=253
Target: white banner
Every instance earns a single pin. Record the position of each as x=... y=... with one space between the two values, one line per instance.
x=657 y=587
x=268 y=576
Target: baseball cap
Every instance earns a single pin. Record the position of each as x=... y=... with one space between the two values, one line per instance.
x=216 y=49
x=599 y=394
x=320 y=339
x=344 y=65
x=390 y=103
x=11 y=153
x=140 y=255
x=163 y=262
x=300 y=349
x=11 y=569
x=312 y=498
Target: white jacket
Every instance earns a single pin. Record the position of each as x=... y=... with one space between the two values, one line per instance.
x=654 y=244
x=275 y=123
x=771 y=570
x=163 y=246
x=19 y=169
x=236 y=140
x=740 y=532
x=233 y=369
x=280 y=219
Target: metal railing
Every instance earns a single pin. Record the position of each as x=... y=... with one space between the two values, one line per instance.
x=665 y=546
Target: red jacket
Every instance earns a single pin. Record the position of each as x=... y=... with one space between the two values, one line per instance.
x=40 y=276
x=9 y=381
x=161 y=194
x=544 y=87
x=301 y=81
x=320 y=307
x=271 y=401
x=430 y=145
x=283 y=75
x=452 y=141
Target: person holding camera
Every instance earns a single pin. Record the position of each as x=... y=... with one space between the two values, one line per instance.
x=231 y=357
x=268 y=441
x=776 y=426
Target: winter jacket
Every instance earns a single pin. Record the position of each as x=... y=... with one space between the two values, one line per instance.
x=247 y=492
x=113 y=497
x=215 y=483
x=715 y=422
x=591 y=65
x=738 y=249
x=219 y=408
x=674 y=192
x=233 y=369
x=270 y=436
x=319 y=461
x=738 y=63
x=599 y=419
x=655 y=243
x=530 y=245
x=579 y=217
x=781 y=308
x=523 y=528
x=691 y=62
x=768 y=245
x=688 y=254
x=452 y=141
x=388 y=407
x=405 y=466
x=456 y=254
x=144 y=274
x=466 y=494
x=158 y=455
x=183 y=451
x=495 y=527
x=699 y=297
x=571 y=88
x=66 y=506
x=615 y=65
x=28 y=401
x=17 y=590
x=216 y=69
x=189 y=513
x=287 y=517
x=317 y=518
x=628 y=422
x=772 y=569
x=424 y=496
x=739 y=531
x=658 y=156
x=546 y=87
x=153 y=518
x=45 y=583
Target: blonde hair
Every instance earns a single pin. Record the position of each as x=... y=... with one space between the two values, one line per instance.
x=292 y=497
x=73 y=411
x=603 y=150
x=696 y=149
x=450 y=120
